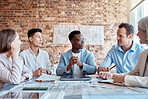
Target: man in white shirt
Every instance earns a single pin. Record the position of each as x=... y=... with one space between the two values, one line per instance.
x=34 y=58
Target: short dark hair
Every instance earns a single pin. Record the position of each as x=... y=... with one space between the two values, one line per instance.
x=71 y=35
x=7 y=36
x=31 y=32
x=129 y=28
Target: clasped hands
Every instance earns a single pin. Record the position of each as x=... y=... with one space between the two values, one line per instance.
x=104 y=73
x=41 y=70
x=74 y=60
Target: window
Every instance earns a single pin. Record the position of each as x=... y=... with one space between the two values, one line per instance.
x=138 y=12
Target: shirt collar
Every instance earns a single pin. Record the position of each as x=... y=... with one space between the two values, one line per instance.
x=132 y=48
x=32 y=51
x=79 y=52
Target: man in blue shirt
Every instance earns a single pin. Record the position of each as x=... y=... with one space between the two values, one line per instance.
x=125 y=54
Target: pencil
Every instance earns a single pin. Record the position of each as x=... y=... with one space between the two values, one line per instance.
x=113 y=67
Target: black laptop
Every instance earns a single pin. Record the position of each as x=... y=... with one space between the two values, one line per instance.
x=75 y=78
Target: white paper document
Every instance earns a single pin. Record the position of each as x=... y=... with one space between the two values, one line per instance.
x=94 y=34
x=45 y=77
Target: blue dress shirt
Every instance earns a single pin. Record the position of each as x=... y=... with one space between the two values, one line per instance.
x=125 y=61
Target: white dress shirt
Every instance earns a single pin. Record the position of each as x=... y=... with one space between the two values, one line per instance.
x=34 y=62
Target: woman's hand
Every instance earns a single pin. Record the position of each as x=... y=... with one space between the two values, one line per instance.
x=15 y=47
x=118 y=78
x=15 y=52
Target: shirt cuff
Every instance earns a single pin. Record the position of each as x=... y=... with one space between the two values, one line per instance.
x=83 y=67
x=28 y=75
x=66 y=70
x=127 y=80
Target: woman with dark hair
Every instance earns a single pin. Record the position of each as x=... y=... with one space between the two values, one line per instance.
x=12 y=70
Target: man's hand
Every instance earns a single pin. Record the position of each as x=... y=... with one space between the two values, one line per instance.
x=39 y=72
x=72 y=61
x=105 y=75
x=104 y=69
x=78 y=62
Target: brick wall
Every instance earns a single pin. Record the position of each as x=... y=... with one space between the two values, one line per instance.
x=23 y=15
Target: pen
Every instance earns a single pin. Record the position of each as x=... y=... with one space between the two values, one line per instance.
x=113 y=66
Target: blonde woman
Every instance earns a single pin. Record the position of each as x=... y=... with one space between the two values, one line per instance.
x=12 y=70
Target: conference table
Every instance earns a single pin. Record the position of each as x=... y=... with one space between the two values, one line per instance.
x=56 y=89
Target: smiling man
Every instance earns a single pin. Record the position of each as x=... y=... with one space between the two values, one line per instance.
x=34 y=58
x=76 y=61
x=125 y=54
